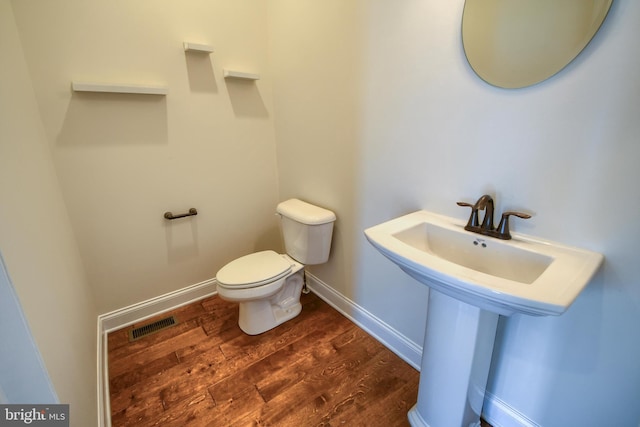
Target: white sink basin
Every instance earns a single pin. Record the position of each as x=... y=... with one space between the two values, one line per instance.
x=521 y=275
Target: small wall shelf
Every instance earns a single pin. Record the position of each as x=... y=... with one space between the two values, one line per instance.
x=197 y=47
x=231 y=74
x=119 y=88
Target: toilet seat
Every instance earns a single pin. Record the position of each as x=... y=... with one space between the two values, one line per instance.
x=253 y=270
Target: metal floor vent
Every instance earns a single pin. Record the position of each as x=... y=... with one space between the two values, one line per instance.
x=151 y=328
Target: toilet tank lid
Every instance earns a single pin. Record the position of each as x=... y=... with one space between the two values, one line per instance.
x=305 y=213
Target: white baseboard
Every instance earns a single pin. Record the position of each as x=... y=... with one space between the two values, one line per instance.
x=406 y=349
x=500 y=414
x=143 y=310
x=135 y=313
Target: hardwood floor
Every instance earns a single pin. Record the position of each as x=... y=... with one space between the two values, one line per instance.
x=318 y=369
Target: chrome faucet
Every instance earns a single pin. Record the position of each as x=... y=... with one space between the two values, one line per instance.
x=486 y=228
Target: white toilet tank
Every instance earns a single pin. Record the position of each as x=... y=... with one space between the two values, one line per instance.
x=307 y=231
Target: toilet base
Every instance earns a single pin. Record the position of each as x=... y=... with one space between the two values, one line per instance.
x=258 y=316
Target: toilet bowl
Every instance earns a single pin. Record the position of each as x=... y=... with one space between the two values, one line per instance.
x=267 y=285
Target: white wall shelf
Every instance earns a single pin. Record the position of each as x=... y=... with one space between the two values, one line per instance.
x=231 y=74
x=197 y=47
x=119 y=88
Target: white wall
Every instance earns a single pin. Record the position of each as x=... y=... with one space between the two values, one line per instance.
x=123 y=160
x=38 y=244
x=23 y=375
x=315 y=54
x=425 y=132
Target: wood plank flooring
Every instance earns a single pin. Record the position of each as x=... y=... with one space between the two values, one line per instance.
x=318 y=369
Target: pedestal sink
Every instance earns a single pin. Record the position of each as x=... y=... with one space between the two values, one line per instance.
x=473 y=279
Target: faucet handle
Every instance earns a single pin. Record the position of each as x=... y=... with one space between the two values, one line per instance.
x=465 y=204
x=502 y=232
x=473 y=219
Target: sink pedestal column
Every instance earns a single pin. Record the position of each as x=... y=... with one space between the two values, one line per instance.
x=456 y=358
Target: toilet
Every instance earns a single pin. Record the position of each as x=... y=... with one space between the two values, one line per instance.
x=267 y=285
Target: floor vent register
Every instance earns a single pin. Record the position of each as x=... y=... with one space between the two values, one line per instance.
x=151 y=328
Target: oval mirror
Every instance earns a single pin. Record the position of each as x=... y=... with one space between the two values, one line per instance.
x=518 y=43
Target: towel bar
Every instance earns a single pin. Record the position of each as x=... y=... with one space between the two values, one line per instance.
x=169 y=215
